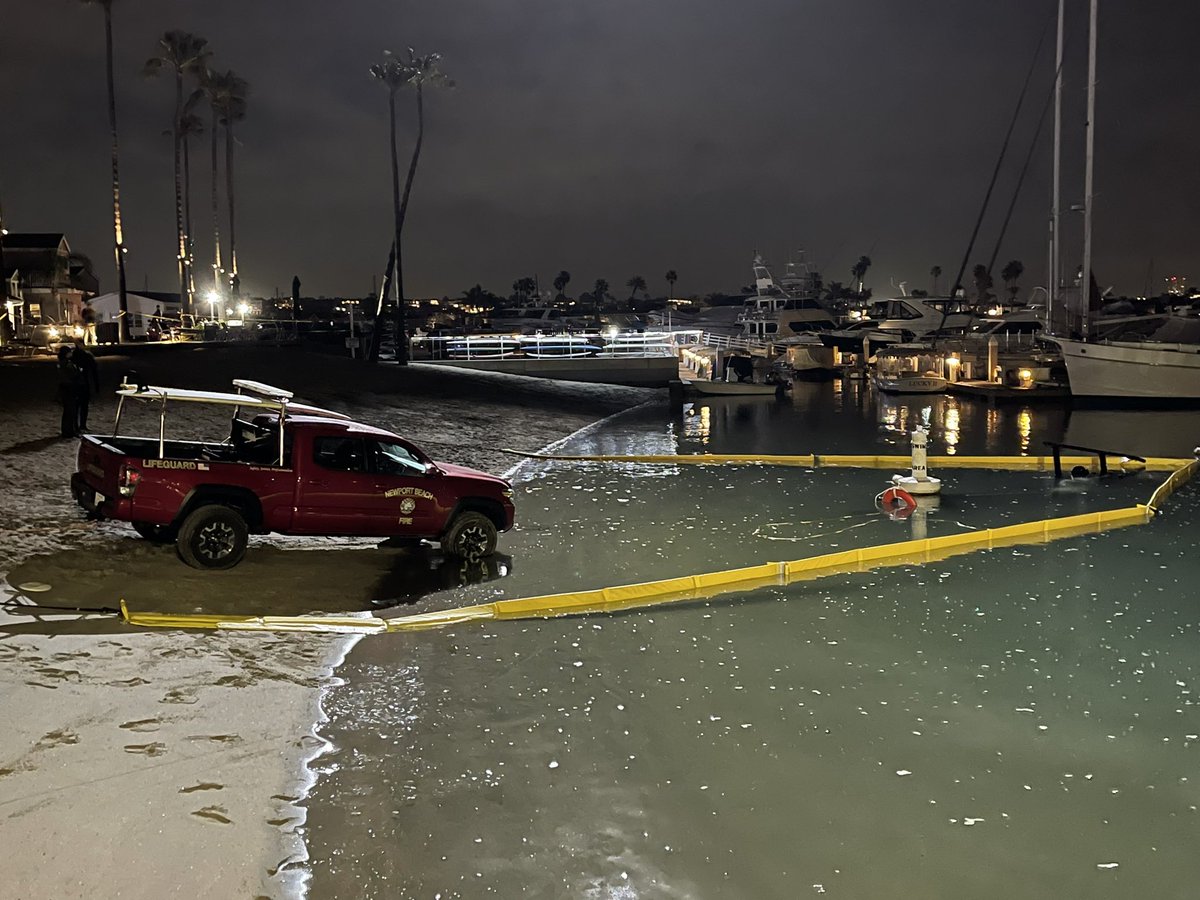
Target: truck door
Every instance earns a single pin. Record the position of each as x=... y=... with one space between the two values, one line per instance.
x=406 y=500
x=336 y=490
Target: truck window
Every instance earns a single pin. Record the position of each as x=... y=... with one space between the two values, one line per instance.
x=393 y=459
x=342 y=454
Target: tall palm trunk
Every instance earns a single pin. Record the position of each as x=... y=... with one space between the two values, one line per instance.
x=187 y=218
x=215 y=210
x=398 y=222
x=234 y=283
x=119 y=241
x=185 y=297
x=401 y=212
x=372 y=354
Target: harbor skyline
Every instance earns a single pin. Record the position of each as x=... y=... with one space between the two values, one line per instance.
x=616 y=140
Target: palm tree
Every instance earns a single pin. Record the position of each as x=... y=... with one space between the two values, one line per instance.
x=395 y=73
x=671 y=277
x=561 y=280
x=600 y=291
x=936 y=273
x=859 y=270
x=118 y=235
x=635 y=284
x=983 y=282
x=183 y=53
x=1011 y=273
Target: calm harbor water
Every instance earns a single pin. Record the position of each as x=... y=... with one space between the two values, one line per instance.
x=1020 y=722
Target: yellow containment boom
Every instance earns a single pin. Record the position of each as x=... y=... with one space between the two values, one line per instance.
x=710 y=584
x=850 y=461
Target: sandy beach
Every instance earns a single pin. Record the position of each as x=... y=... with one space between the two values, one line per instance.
x=149 y=764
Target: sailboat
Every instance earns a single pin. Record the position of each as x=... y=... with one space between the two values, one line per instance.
x=1159 y=366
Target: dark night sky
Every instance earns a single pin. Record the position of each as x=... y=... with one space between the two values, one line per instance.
x=614 y=137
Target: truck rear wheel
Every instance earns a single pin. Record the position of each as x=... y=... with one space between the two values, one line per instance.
x=212 y=537
x=471 y=536
x=156 y=534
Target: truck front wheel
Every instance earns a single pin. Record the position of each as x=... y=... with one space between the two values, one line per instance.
x=471 y=536
x=212 y=537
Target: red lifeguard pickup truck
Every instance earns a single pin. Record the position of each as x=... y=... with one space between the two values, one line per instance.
x=285 y=467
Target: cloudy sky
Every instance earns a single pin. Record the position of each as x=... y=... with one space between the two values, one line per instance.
x=614 y=138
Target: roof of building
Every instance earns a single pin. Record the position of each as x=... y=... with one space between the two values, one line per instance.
x=48 y=240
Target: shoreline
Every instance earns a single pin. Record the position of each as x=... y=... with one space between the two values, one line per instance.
x=298 y=877
x=192 y=753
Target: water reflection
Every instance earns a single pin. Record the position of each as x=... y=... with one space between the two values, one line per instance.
x=420 y=571
x=1024 y=428
x=950 y=432
x=847 y=416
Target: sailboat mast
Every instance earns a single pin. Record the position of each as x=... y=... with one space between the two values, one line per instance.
x=1056 y=201
x=1086 y=286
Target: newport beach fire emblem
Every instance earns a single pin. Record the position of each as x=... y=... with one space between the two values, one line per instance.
x=407 y=505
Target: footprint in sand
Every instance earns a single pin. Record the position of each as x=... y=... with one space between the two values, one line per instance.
x=154 y=749
x=56 y=739
x=180 y=695
x=141 y=725
x=202 y=786
x=214 y=813
x=217 y=738
x=128 y=682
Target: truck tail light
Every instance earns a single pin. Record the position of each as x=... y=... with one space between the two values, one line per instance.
x=128 y=479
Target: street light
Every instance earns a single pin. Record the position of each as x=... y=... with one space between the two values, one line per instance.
x=213 y=299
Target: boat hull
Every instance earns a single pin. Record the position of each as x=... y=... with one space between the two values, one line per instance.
x=915 y=384
x=731 y=388
x=1133 y=371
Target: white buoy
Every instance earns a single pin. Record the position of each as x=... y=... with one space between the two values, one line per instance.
x=919 y=483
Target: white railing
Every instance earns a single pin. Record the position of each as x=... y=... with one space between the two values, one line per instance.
x=565 y=345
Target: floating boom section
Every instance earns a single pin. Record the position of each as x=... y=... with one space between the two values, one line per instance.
x=712 y=584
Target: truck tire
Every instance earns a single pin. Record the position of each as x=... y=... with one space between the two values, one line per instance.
x=156 y=534
x=212 y=537
x=471 y=536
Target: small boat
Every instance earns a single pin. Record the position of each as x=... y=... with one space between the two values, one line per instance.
x=911 y=383
x=733 y=388
x=910 y=369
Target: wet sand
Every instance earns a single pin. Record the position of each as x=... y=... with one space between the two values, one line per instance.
x=148 y=764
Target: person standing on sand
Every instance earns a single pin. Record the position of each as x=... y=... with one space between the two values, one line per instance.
x=89 y=380
x=68 y=391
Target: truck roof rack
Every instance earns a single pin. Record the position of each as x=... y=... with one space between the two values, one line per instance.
x=263 y=390
x=150 y=392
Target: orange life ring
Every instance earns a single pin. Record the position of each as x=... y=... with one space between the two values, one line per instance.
x=897 y=500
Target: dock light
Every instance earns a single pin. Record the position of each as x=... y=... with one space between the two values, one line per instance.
x=243 y=308
x=52 y=333
x=1026 y=377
